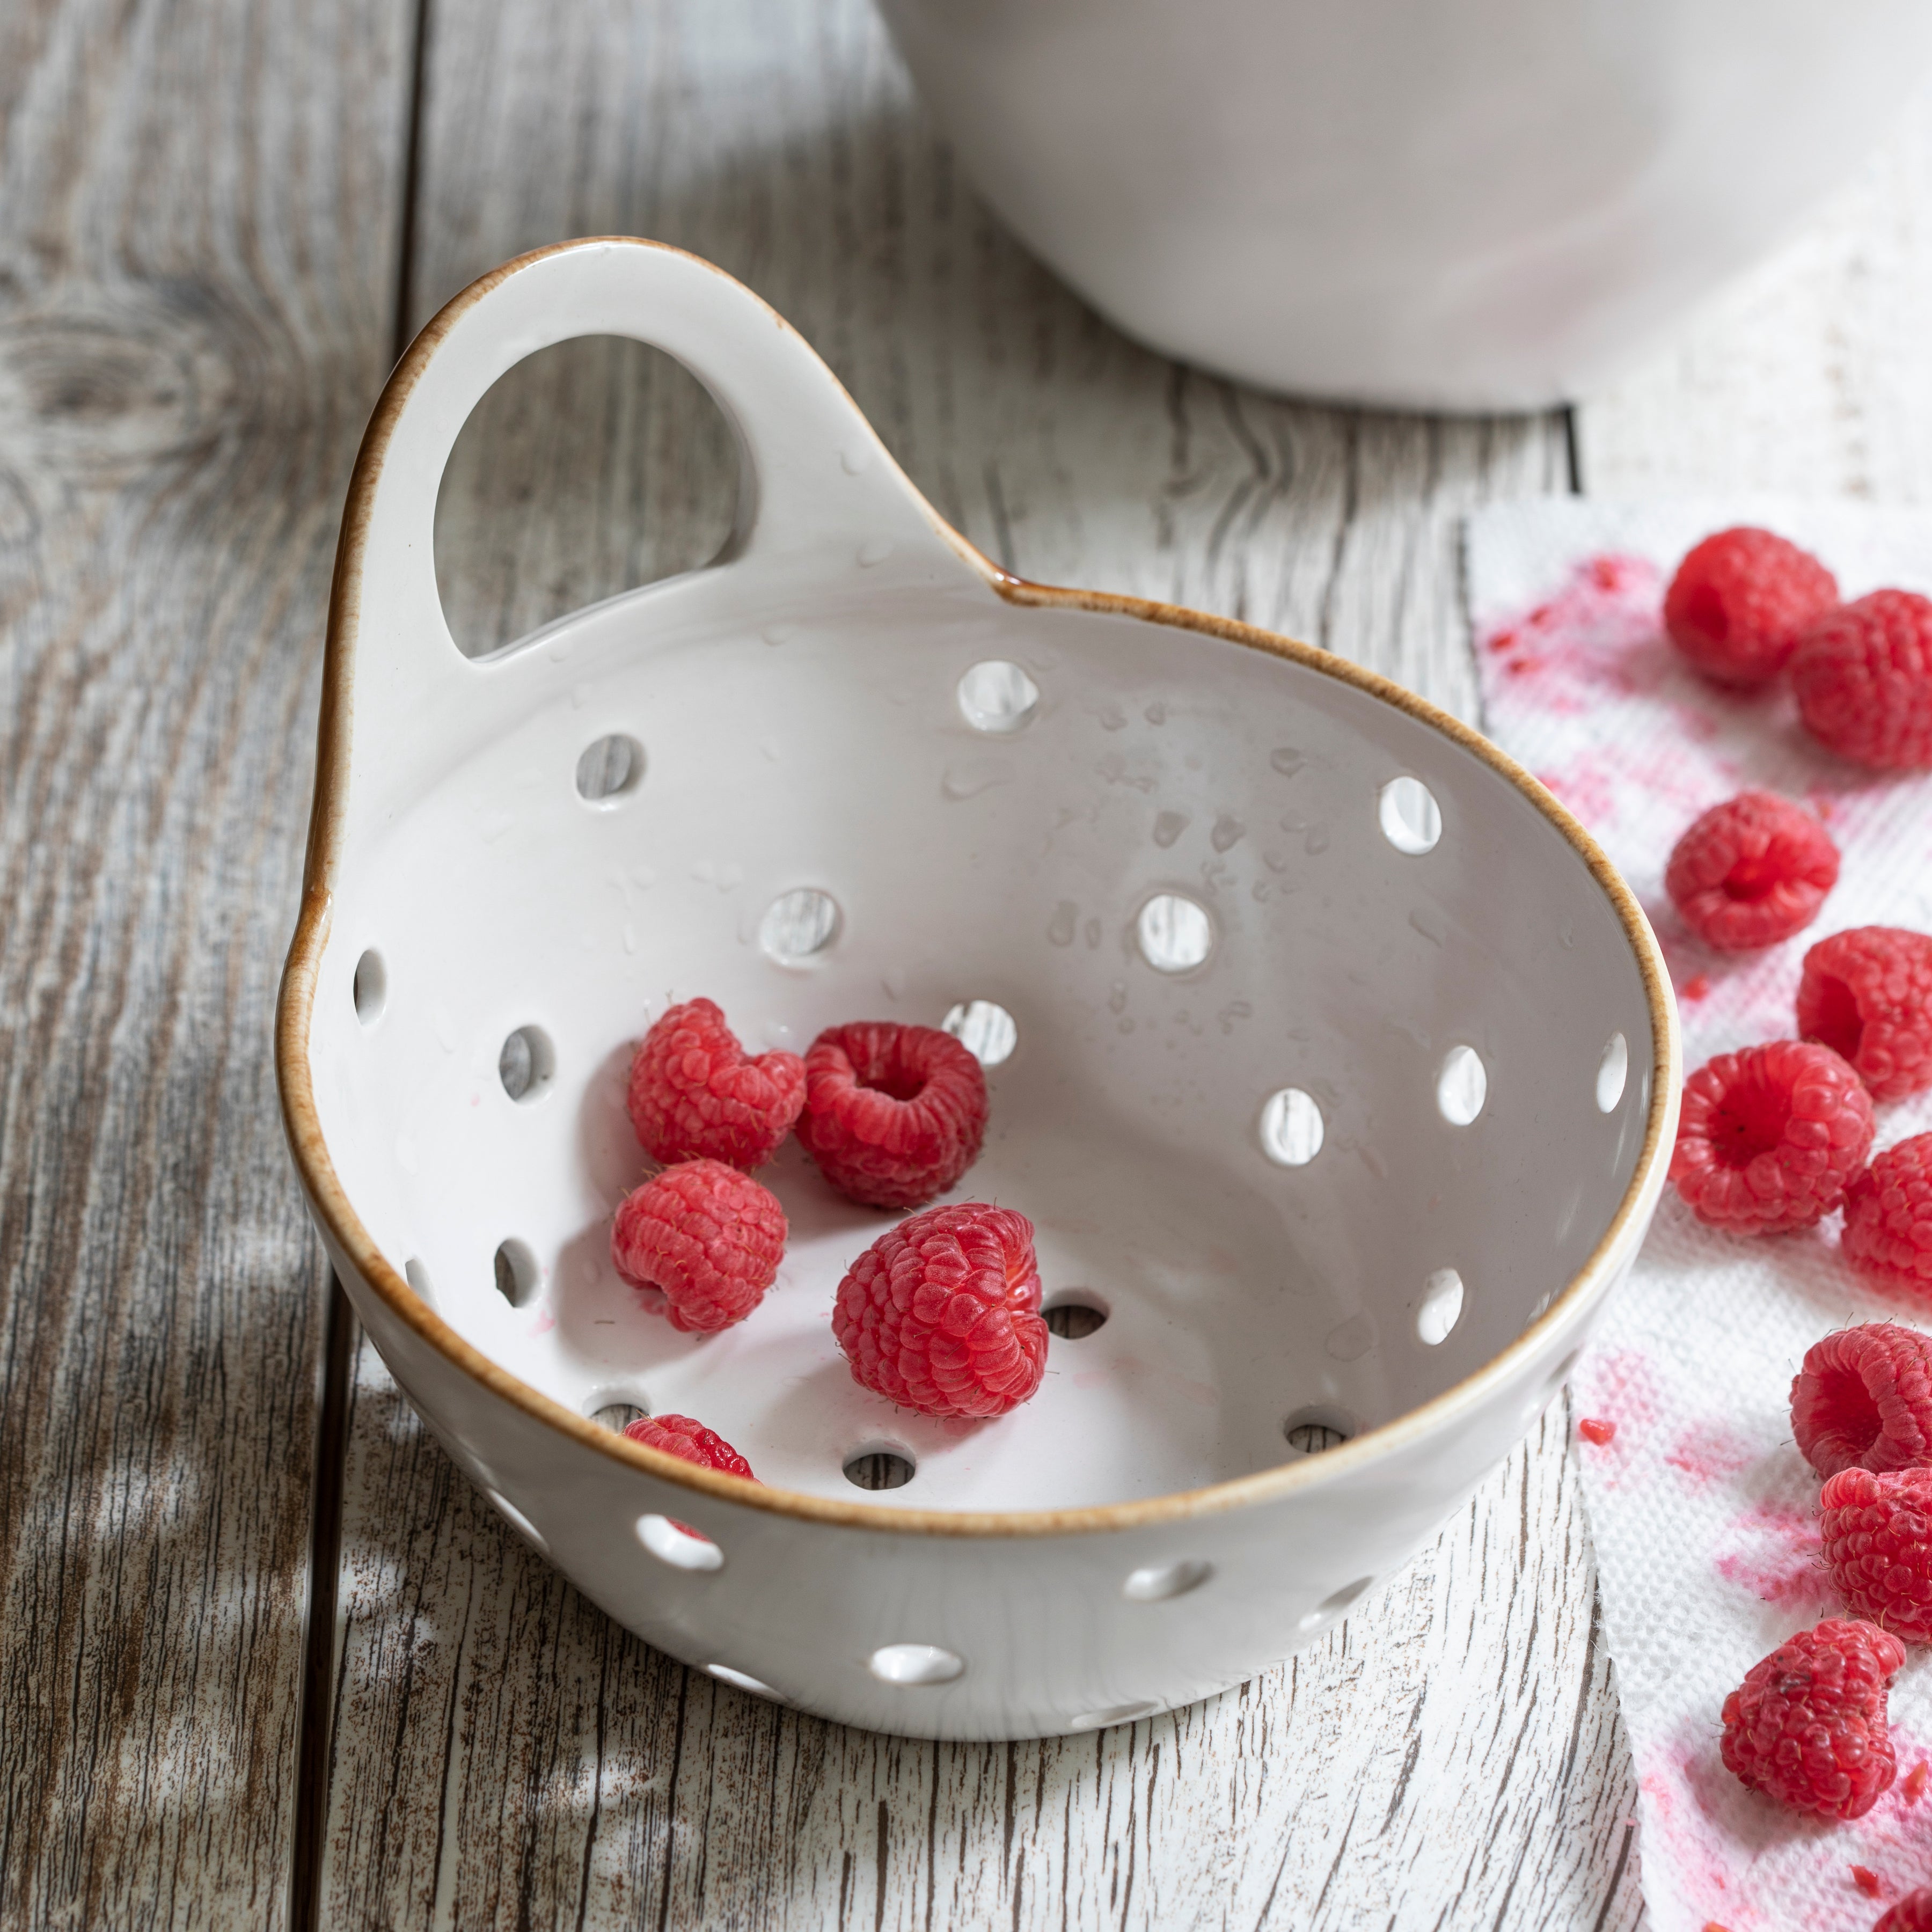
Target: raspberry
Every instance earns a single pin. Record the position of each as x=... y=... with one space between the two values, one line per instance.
x=1878 y=1546
x=1867 y=995
x=710 y=1237
x=1888 y=1235
x=1751 y=871
x=942 y=1312
x=1863 y=1400
x=1913 y=1913
x=695 y=1096
x=1769 y=1137
x=893 y=1114
x=1739 y=600
x=1806 y=1727
x=679 y=1435
x=1863 y=674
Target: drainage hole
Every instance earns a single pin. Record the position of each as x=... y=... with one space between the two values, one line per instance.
x=618 y=1416
x=518 y=1277
x=879 y=1466
x=798 y=925
x=1313 y=1430
x=998 y=697
x=1073 y=1319
x=371 y=987
x=1174 y=932
x=984 y=1029
x=527 y=1064
x=610 y=769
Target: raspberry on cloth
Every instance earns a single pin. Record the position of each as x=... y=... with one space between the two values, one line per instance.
x=1769 y=1138
x=1863 y=675
x=1867 y=995
x=1751 y=871
x=1704 y=1514
x=1877 y=1532
x=1738 y=600
x=1863 y=1399
x=1888 y=1234
x=1807 y=1727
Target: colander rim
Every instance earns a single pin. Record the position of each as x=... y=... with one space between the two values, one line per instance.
x=330 y=1203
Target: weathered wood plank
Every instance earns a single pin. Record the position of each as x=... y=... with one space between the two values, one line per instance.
x=197 y=244
x=503 y=1754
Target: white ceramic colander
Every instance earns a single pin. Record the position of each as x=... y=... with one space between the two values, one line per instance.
x=1334 y=1064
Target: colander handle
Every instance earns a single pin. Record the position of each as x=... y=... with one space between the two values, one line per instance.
x=816 y=483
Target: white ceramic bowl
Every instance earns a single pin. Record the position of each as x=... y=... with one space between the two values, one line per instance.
x=813 y=714
x=1485 y=205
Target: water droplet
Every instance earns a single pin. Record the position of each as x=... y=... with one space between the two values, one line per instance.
x=1155 y=713
x=874 y=549
x=1112 y=718
x=779 y=634
x=1227 y=832
x=1059 y=928
x=1276 y=862
x=1286 y=759
x=1317 y=841
x=972 y=776
x=854 y=458
x=1117 y=996
x=1093 y=933
x=1167 y=827
x=894 y=982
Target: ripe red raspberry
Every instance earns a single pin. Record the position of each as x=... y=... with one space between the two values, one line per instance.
x=1739 y=600
x=1863 y=674
x=893 y=1114
x=1806 y=1727
x=1769 y=1137
x=942 y=1312
x=1867 y=995
x=710 y=1237
x=1878 y=1546
x=694 y=1095
x=1913 y=1913
x=679 y=1435
x=1863 y=1400
x=1751 y=871
x=1888 y=1234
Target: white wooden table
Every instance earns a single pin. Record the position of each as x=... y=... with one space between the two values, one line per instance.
x=264 y=1658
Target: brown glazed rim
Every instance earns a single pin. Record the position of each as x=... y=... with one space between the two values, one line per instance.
x=332 y=1206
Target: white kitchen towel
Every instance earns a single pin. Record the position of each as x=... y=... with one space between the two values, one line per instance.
x=1704 y=1514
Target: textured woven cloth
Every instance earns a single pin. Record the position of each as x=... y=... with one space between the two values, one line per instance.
x=1703 y=1513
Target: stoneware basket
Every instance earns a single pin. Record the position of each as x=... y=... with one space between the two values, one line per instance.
x=1333 y=1063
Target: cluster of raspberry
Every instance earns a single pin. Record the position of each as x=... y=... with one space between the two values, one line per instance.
x=1808 y=1726
x=1776 y=1137
x=940 y=1314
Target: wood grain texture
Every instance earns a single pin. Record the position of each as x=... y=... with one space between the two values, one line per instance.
x=196 y=247
x=503 y=1754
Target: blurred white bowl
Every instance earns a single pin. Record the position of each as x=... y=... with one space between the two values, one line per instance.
x=1478 y=205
